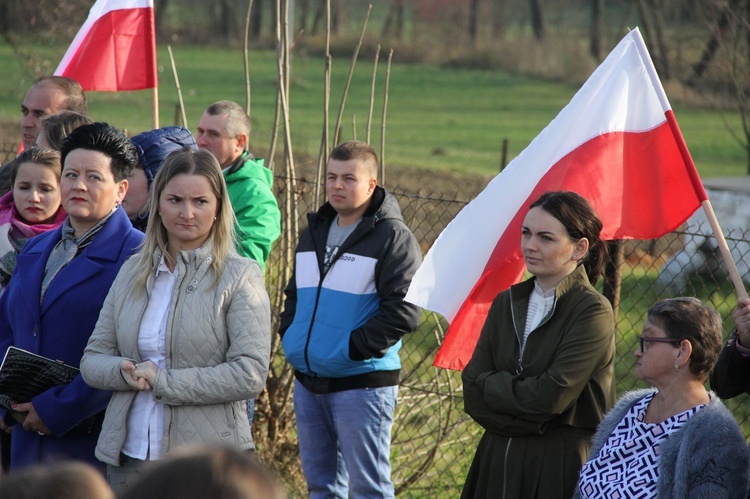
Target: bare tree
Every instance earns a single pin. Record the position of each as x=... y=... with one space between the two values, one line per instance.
x=537 y=20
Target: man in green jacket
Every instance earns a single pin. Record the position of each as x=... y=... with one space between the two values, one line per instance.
x=224 y=129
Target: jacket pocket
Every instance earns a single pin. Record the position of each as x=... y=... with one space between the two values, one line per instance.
x=293 y=343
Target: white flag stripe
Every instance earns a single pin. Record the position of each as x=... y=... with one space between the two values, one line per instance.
x=99 y=10
x=442 y=282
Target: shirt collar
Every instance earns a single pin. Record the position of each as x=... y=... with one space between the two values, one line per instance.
x=550 y=293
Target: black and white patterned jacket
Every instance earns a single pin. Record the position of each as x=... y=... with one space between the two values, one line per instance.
x=706 y=458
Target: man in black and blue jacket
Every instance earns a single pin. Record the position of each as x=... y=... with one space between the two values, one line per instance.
x=342 y=325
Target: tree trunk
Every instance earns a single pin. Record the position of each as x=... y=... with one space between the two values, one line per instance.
x=304 y=11
x=394 y=21
x=537 y=21
x=498 y=18
x=225 y=19
x=474 y=20
x=159 y=9
x=256 y=21
x=597 y=12
x=318 y=17
x=400 y=7
x=337 y=16
x=5 y=18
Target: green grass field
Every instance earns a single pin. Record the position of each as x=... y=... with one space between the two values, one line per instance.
x=437 y=118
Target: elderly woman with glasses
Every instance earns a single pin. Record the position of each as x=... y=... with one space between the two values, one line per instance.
x=679 y=440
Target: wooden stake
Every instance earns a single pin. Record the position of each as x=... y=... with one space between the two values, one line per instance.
x=177 y=84
x=372 y=93
x=337 y=130
x=382 y=121
x=734 y=274
x=246 y=57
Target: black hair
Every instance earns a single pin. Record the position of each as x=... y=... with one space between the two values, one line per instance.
x=580 y=220
x=107 y=140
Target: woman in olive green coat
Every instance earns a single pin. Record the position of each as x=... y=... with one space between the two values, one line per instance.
x=542 y=375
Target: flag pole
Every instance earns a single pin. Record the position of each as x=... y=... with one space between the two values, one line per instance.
x=726 y=254
x=155 y=90
x=155 y=108
x=177 y=84
x=734 y=274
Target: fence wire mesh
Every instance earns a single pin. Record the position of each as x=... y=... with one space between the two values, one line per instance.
x=433 y=439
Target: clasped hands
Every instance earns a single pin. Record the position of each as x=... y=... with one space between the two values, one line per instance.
x=141 y=376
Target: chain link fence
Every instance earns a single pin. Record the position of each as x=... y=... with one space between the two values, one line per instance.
x=433 y=439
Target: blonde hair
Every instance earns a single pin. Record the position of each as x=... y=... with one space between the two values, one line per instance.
x=222 y=235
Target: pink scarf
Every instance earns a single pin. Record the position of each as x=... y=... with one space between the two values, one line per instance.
x=14 y=233
x=9 y=214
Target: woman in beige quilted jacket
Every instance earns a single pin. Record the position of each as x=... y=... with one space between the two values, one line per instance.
x=183 y=339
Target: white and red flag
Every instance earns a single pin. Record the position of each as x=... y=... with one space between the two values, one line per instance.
x=115 y=49
x=616 y=143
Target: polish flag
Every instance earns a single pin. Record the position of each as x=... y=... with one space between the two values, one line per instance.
x=115 y=48
x=616 y=143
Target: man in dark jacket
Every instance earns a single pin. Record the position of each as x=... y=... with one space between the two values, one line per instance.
x=342 y=325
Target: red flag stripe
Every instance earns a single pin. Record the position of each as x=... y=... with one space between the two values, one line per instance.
x=115 y=49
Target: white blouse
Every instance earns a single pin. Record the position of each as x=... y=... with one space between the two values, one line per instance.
x=540 y=303
x=146 y=417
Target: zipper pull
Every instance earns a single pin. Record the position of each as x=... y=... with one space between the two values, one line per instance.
x=519 y=367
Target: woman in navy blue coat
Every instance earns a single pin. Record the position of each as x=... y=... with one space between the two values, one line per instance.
x=53 y=300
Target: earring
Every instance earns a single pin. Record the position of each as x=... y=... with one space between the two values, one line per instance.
x=676 y=366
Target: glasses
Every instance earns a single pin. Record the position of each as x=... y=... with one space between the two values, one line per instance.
x=644 y=340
